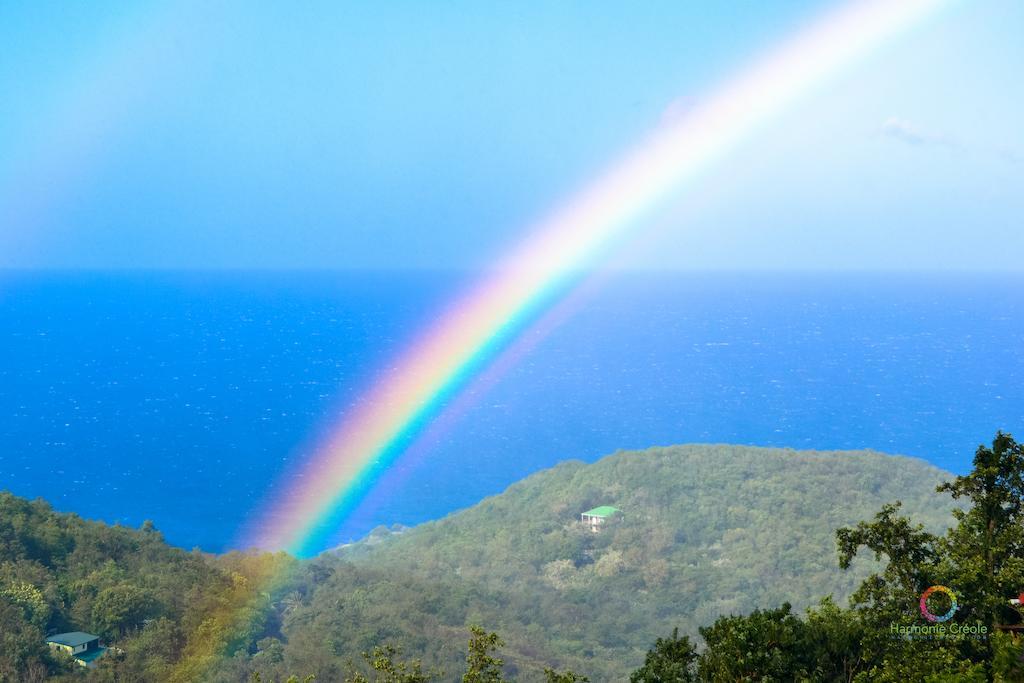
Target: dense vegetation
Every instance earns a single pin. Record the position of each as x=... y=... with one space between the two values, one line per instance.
x=902 y=623
x=707 y=531
x=61 y=573
x=879 y=636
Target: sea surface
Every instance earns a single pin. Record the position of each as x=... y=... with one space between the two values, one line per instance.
x=184 y=398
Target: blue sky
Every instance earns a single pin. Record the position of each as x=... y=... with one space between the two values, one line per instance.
x=343 y=135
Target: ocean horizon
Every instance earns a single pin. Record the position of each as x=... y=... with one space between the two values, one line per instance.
x=184 y=397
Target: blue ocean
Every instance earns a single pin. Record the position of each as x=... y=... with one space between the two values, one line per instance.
x=183 y=398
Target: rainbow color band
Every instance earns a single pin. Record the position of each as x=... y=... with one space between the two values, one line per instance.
x=408 y=395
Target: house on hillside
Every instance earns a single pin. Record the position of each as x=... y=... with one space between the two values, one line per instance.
x=599 y=516
x=84 y=648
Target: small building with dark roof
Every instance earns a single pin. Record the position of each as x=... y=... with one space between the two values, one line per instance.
x=84 y=648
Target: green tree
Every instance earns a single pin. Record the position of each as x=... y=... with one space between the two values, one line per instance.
x=981 y=559
x=766 y=645
x=31 y=600
x=669 y=661
x=552 y=676
x=21 y=646
x=836 y=642
x=257 y=678
x=119 y=608
x=481 y=665
x=387 y=670
x=911 y=555
x=985 y=552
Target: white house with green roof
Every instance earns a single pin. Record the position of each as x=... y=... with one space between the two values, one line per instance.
x=84 y=648
x=599 y=516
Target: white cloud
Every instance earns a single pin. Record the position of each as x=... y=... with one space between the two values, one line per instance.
x=905 y=131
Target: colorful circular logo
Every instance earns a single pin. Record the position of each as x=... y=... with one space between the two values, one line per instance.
x=942 y=617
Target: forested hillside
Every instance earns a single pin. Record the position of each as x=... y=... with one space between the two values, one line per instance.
x=61 y=573
x=705 y=531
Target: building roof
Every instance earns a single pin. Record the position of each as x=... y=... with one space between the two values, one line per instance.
x=602 y=511
x=72 y=639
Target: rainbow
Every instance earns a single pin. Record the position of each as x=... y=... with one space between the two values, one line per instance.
x=414 y=389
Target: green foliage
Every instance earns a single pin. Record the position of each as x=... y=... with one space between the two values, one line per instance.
x=766 y=645
x=387 y=670
x=838 y=642
x=30 y=599
x=23 y=656
x=61 y=573
x=257 y=678
x=1007 y=655
x=910 y=550
x=707 y=530
x=984 y=554
x=481 y=664
x=120 y=608
x=980 y=558
x=552 y=676
x=671 y=660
